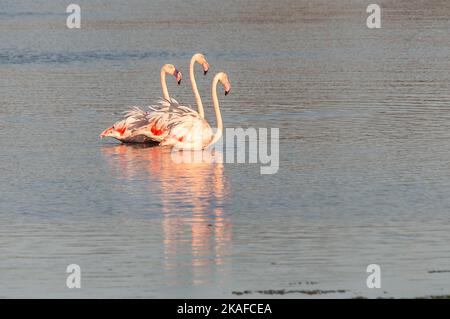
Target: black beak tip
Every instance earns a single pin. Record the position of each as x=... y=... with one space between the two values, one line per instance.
x=226 y=93
x=179 y=82
x=205 y=72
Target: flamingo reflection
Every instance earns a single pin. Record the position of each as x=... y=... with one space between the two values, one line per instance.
x=197 y=233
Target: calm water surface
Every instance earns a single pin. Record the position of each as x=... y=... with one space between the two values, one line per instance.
x=364 y=150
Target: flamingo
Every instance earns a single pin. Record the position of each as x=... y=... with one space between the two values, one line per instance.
x=170 y=109
x=190 y=131
x=152 y=126
x=127 y=129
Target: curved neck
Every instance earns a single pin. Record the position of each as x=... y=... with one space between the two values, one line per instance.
x=164 y=85
x=218 y=133
x=198 y=99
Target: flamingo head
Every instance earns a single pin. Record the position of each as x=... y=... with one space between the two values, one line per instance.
x=200 y=58
x=223 y=79
x=172 y=70
x=114 y=132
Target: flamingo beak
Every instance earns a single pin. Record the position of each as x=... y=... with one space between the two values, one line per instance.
x=205 y=67
x=178 y=76
x=227 y=88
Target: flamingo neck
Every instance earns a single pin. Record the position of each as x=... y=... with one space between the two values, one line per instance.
x=198 y=99
x=219 y=123
x=165 y=92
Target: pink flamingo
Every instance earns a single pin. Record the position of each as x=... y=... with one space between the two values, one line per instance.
x=152 y=126
x=190 y=131
x=126 y=130
x=172 y=110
